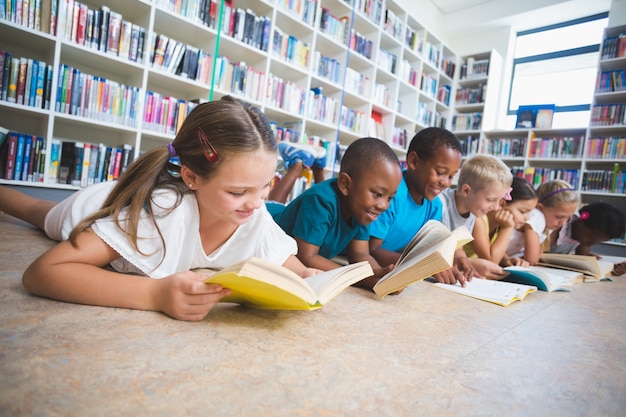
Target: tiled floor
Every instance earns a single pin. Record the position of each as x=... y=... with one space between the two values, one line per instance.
x=425 y=352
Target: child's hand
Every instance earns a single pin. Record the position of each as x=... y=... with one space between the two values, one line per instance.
x=504 y=218
x=184 y=296
x=309 y=272
x=619 y=269
x=465 y=268
x=382 y=271
x=488 y=269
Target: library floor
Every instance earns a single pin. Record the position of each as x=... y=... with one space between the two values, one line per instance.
x=425 y=352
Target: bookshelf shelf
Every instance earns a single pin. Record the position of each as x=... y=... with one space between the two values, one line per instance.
x=396 y=69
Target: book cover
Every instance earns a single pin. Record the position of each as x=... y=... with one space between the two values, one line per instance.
x=429 y=252
x=592 y=268
x=28 y=145
x=93 y=164
x=125 y=39
x=498 y=292
x=55 y=161
x=66 y=162
x=12 y=139
x=265 y=285
x=13 y=79
x=19 y=156
x=84 y=173
x=6 y=73
x=40 y=85
x=77 y=165
x=104 y=28
x=29 y=86
x=544 y=278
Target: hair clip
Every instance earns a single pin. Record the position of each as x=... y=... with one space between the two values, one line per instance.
x=584 y=215
x=507 y=196
x=207 y=149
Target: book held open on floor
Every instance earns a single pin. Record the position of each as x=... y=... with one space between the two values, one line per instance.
x=497 y=292
x=429 y=252
x=262 y=284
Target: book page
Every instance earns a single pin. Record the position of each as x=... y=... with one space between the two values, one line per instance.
x=588 y=265
x=497 y=292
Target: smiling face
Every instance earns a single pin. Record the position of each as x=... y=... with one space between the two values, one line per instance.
x=558 y=215
x=427 y=178
x=367 y=195
x=520 y=210
x=238 y=187
x=482 y=201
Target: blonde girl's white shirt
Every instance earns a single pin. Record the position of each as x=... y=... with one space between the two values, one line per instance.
x=260 y=236
x=537 y=222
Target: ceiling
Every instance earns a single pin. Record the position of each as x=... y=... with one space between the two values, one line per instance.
x=467 y=16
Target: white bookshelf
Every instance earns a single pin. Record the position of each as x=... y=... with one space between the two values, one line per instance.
x=401 y=98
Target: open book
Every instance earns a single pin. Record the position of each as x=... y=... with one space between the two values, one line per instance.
x=430 y=251
x=544 y=278
x=593 y=270
x=497 y=292
x=263 y=284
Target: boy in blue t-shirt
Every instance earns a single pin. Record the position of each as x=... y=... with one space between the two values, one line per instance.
x=332 y=217
x=433 y=159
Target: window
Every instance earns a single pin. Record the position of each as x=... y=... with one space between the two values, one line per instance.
x=557 y=65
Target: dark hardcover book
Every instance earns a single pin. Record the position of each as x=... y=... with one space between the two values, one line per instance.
x=134 y=43
x=1 y=70
x=6 y=74
x=89 y=28
x=103 y=172
x=48 y=87
x=141 y=44
x=97 y=29
x=66 y=162
x=104 y=28
x=11 y=152
x=77 y=165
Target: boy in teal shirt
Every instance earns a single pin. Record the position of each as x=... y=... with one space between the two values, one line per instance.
x=332 y=217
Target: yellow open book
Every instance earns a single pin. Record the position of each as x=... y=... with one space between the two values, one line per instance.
x=497 y=292
x=430 y=251
x=263 y=284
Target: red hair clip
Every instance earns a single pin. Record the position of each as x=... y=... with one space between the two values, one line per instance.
x=207 y=149
x=584 y=215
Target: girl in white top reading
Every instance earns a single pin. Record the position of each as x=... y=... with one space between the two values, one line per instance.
x=160 y=220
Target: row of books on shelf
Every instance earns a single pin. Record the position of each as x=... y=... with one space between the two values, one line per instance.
x=28 y=14
x=204 y=12
x=290 y=48
x=25 y=81
x=610 y=81
x=613 y=46
x=467 y=121
x=360 y=44
x=327 y=67
x=23 y=158
x=165 y=114
x=448 y=66
x=507 y=147
x=382 y=95
x=443 y=94
x=608 y=114
x=101 y=29
x=604 y=180
x=178 y=58
x=538 y=175
x=606 y=148
x=470 y=145
x=428 y=85
x=96 y=97
x=246 y=26
x=556 y=147
x=471 y=95
x=408 y=73
x=474 y=68
x=320 y=107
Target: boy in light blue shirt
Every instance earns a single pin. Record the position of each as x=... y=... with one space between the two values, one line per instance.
x=332 y=217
